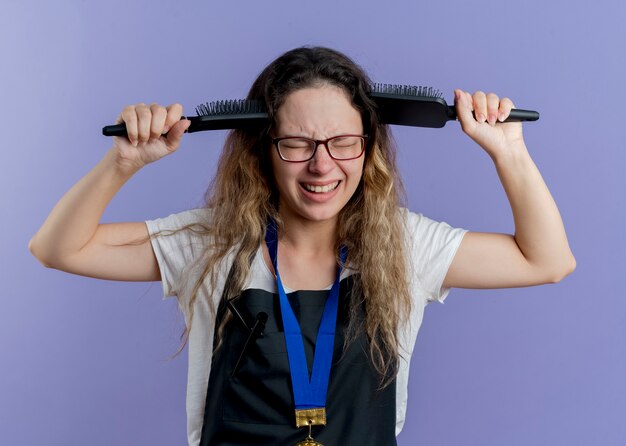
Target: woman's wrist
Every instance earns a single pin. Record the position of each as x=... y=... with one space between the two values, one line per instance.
x=124 y=169
x=515 y=154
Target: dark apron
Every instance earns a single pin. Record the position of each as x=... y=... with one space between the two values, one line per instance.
x=255 y=407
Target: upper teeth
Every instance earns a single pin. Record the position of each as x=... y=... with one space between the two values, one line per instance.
x=326 y=188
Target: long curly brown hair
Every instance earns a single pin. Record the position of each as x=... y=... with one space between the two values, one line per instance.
x=243 y=196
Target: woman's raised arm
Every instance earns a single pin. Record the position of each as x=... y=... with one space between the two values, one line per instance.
x=538 y=253
x=72 y=239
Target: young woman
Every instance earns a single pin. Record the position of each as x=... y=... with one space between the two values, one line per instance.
x=302 y=281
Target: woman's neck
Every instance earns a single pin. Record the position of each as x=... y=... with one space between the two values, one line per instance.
x=309 y=238
x=307 y=259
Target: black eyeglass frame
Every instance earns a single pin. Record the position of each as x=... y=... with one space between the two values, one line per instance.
x=317 y=142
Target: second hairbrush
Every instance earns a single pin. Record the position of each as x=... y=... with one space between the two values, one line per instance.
x=397 y=104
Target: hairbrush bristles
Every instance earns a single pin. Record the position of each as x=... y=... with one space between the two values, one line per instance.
x=410 y=105
x=230 y=107
x=407 y=90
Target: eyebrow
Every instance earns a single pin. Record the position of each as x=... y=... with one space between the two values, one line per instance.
x=310 y=137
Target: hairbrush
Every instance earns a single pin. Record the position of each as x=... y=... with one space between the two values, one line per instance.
x=397 y=104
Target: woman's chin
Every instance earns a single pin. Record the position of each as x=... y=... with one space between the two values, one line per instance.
x=317 y=213
x=321 y=216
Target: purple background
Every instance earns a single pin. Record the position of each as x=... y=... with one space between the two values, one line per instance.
x=84 y=361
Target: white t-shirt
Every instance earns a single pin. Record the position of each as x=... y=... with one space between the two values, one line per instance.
x=430 y=244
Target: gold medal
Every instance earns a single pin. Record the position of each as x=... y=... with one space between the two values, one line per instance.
x=310 y=417
x=309 y=441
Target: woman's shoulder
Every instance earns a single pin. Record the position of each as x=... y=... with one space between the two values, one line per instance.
x=413 y=219
x=179 y=242
x=419 y=226
x=189 y=215
x=181 y=233
x=197 y=216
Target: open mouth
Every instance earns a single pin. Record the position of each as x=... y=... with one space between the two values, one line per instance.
x=321 y=189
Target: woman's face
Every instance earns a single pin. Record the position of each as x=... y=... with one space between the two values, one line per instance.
x=316 y=113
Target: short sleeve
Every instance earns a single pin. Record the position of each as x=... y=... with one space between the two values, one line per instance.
x=175 y=252
x=433 y=245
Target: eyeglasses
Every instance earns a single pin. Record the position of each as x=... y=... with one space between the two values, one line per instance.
x=297 y=149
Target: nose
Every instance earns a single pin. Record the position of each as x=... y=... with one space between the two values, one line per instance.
x=321 y=162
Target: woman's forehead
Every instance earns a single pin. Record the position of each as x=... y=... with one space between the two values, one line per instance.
x=318 y=112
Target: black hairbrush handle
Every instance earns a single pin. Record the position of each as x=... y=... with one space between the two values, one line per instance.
x=201 y=123
x=516 y=115
x=399 y=109
x=432 y=112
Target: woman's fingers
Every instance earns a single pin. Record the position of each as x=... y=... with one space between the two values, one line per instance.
x=493 y=103
x=176 y=133
x=489 y=107
x=506 y=105
x=155 y=131
x=464 y=106
x=129 y=117
x=144 y=122
x=174 y=113
x=159 y=113
x=482 y=127
x=480 y=106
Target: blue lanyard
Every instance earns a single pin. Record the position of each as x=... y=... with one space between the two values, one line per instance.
x=308 y=392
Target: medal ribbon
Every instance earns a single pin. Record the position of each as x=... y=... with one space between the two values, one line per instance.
x=309 y=393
